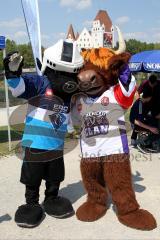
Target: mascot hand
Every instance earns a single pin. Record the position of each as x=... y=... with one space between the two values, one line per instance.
x=125 y=75
x=13 y=64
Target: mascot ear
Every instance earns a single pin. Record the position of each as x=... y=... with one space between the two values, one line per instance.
x=118 y=61
x=39 y=64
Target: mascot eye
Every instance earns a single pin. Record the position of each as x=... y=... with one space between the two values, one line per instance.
x=93 y=79
x=70 y=87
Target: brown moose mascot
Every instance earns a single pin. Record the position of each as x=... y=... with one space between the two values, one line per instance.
x=108 y=90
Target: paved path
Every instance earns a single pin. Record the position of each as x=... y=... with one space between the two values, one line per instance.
x=17 y=115
x=146 y=177
x=3 y=114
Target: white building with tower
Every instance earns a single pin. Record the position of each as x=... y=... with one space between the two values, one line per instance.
x=101 y=34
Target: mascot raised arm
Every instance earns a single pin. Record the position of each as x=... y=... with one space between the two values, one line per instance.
x=45 y=127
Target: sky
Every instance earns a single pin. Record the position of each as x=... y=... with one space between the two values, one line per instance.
x=138 y=19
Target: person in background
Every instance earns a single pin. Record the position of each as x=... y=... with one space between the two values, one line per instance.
x=139 y=116
x=151 y=83
x=154 y=86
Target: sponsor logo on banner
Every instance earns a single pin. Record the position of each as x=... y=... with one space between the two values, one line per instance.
x=135 y=66
x=152 y=66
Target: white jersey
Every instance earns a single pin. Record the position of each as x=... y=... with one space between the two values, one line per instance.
x=103 y=123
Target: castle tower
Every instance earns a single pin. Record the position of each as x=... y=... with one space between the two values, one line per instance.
x=101 y=34
x=70 y=34
x=101 y=30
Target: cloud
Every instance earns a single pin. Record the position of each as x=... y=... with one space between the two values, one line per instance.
x=50 y=39
x=136 y=35
x=149 y=36
x=14 y=23
x=155 y=36
x=68 y=3
x=122 y=20
x=15 y=29
x=88 y=23
x=20 y=34
x=19 y=37
x=59 y=35
x=83 y=4
x=155 y=29
x=45 y=37
x=77 y=4
x=46 y=40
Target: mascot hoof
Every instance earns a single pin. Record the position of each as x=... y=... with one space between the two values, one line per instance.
x=29 y=215
x=89 y=212
x=140 y=219
x=58 y=207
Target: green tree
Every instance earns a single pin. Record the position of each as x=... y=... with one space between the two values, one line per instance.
x=134 y=46
x=26 y=51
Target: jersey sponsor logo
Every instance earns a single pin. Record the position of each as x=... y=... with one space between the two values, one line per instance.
x=95 y=123
x=60 y=108
x=57 y=119
x=105 y=101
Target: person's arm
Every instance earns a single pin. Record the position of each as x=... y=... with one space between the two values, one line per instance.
x=157 y=116
x=146 y=126
x=137 y=95
x=141 y=87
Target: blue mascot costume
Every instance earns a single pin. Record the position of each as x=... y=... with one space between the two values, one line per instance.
x=48 y=98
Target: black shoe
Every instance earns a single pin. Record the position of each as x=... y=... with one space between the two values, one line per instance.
x=58 y=207
x=29 y=215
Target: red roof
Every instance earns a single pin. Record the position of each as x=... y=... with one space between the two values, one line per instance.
x=70 y=33
x=104 y=18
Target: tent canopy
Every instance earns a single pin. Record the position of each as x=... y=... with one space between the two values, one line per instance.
x=146 y=61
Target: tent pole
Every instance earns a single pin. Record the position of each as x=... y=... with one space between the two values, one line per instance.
x=7 y=106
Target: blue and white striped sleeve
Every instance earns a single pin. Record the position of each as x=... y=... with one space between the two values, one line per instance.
x=17 y=86
x=28 y=86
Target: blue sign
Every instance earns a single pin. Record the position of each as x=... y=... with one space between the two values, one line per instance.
x=2 y=42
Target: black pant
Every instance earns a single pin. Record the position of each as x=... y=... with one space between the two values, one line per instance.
x=32 y=192
x=40 y=164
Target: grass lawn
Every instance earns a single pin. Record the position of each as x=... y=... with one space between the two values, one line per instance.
x=16 y=135
x=12 y=100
